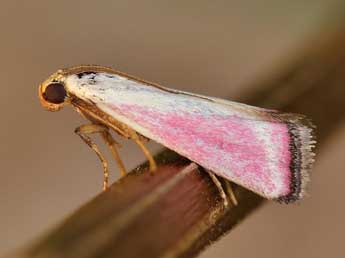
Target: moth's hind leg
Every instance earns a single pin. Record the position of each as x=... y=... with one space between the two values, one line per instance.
x=230 y=192
x=224 y=193
x=82 y=131
x=219 y=186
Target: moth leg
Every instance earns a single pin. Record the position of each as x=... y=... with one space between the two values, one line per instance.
x=136 y=138
x=230 y=192
x=219 y=187
x=148 y=155
x=93 y=128
x=108 y=138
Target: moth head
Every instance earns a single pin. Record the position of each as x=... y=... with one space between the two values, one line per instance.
x=52 y=92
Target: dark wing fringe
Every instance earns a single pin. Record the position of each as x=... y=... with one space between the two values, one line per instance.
x=302 y=142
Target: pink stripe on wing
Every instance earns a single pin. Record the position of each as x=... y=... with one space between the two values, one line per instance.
x=232 y=147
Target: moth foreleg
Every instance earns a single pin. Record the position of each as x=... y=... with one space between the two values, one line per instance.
x=82 y=131
x=108 y=138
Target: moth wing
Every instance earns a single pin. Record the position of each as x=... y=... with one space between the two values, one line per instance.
x=264 y=151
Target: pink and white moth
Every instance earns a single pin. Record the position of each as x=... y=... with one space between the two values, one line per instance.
x=263 y=150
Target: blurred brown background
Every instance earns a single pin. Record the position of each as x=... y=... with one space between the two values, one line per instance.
x=216 y=48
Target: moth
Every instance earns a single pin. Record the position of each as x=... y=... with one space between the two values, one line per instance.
x=263 y=150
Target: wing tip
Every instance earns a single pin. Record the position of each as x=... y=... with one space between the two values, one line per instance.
x=301 y=131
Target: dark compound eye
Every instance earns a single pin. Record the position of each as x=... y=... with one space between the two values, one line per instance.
x=55 y=93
